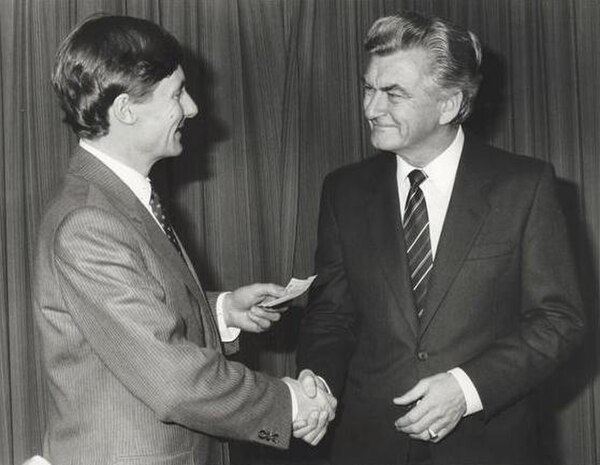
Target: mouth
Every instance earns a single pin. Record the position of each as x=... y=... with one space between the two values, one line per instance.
x=179 y=129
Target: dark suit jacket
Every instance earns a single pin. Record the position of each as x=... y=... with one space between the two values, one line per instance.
x=131 y=350
x=503 y=304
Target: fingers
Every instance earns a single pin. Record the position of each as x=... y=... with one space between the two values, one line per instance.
x=264 y=314
x=309 y=424
x=298 y=424
x=440 y=408
x=319 y=436
x=332 y=402
x=414 y=415
x=413 y=395
x=316 y=434
x=434 y=433
x=417 y=422
x=262 y=319
x=266 y=289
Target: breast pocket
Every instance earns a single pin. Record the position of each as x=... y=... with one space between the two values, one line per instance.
x=490 y=250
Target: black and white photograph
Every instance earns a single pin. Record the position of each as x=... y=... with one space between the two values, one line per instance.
x=299 y=232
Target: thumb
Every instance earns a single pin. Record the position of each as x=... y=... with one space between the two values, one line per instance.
x=309 y=383
x=412 y=395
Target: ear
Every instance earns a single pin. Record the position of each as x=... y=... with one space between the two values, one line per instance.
x=450 y=106
x=122 y=109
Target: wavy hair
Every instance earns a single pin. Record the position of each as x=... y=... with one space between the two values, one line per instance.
x=455 y=52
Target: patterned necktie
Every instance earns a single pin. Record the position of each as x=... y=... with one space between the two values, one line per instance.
x=161 y=215
x=416 y=236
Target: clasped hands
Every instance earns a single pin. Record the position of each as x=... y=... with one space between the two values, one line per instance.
x=316 y=407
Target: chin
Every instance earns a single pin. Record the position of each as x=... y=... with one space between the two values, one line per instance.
x=175 y=151
x=385 y=145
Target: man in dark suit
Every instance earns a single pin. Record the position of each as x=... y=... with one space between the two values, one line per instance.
x=446 y=288
x=132 y=351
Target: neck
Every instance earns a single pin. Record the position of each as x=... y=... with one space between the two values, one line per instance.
x=122 y=151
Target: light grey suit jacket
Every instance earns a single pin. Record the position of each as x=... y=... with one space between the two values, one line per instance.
x=134 y=365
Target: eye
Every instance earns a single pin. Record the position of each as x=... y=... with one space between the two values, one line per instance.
x=396 y=95
x=179 y=93
x=368 y=89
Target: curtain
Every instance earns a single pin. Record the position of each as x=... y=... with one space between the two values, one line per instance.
x=278 y=88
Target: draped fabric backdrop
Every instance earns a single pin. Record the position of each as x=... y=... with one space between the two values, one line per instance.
x=278 y=86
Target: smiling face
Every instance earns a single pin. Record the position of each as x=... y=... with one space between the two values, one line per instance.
x=405 y=108
x=162 y=115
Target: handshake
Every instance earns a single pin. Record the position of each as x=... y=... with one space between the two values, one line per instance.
x=316 y=407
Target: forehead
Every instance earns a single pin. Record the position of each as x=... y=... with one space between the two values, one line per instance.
x=404 y=67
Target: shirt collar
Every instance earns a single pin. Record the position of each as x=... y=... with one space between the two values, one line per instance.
x=441 y=171
x=139 y=184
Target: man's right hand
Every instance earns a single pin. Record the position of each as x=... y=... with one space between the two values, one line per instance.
x=316 y=407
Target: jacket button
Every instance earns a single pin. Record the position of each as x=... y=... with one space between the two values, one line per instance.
x=422 y=355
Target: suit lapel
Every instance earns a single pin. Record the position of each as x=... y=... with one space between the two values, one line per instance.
x=383 y=213
x=466 y=213
x=86 y=165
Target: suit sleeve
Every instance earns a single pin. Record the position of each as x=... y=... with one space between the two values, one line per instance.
x=327 y=336
x=551 y=323
x=122 y=310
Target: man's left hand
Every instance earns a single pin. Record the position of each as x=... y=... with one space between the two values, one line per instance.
x=439 y=406
x=240 y=307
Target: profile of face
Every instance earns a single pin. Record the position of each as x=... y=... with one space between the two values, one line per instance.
x=162 y=116
x=404 y=107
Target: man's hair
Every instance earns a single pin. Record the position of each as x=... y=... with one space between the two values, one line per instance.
x=104 y=57
x=455 y=53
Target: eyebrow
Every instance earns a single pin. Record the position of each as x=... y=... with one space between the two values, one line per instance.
x=390 y=88
x=394 y=87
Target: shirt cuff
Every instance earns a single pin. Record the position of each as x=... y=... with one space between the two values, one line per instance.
x=294 y=401
x=472 y=398
x=228 y=334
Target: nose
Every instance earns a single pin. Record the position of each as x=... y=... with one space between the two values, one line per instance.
x=190 y=109
x=374 y=104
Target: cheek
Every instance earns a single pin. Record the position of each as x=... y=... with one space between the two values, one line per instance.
x=401 y=120
x=172 y=112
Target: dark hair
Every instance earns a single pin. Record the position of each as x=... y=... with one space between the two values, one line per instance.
x=104 y=57
x=455 y=52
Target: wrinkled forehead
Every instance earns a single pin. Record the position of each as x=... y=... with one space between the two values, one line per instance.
x=403 y=67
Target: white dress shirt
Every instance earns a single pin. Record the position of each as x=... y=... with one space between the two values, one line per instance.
x=437 y=190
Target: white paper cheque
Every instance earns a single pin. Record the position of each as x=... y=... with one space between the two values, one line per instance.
x=295 y=288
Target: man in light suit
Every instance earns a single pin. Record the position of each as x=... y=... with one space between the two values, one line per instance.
x=446 y=288
x=132 y=352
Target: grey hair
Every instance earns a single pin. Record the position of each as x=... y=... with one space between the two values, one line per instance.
x=455 y=52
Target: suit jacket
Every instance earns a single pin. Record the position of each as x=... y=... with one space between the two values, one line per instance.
x=503 y=304
x=134 y=365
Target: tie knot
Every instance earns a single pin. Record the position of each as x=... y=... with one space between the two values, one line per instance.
x=416 y=177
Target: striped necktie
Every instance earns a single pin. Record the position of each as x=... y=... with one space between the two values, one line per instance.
x=416 y=236
x=163 y=219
